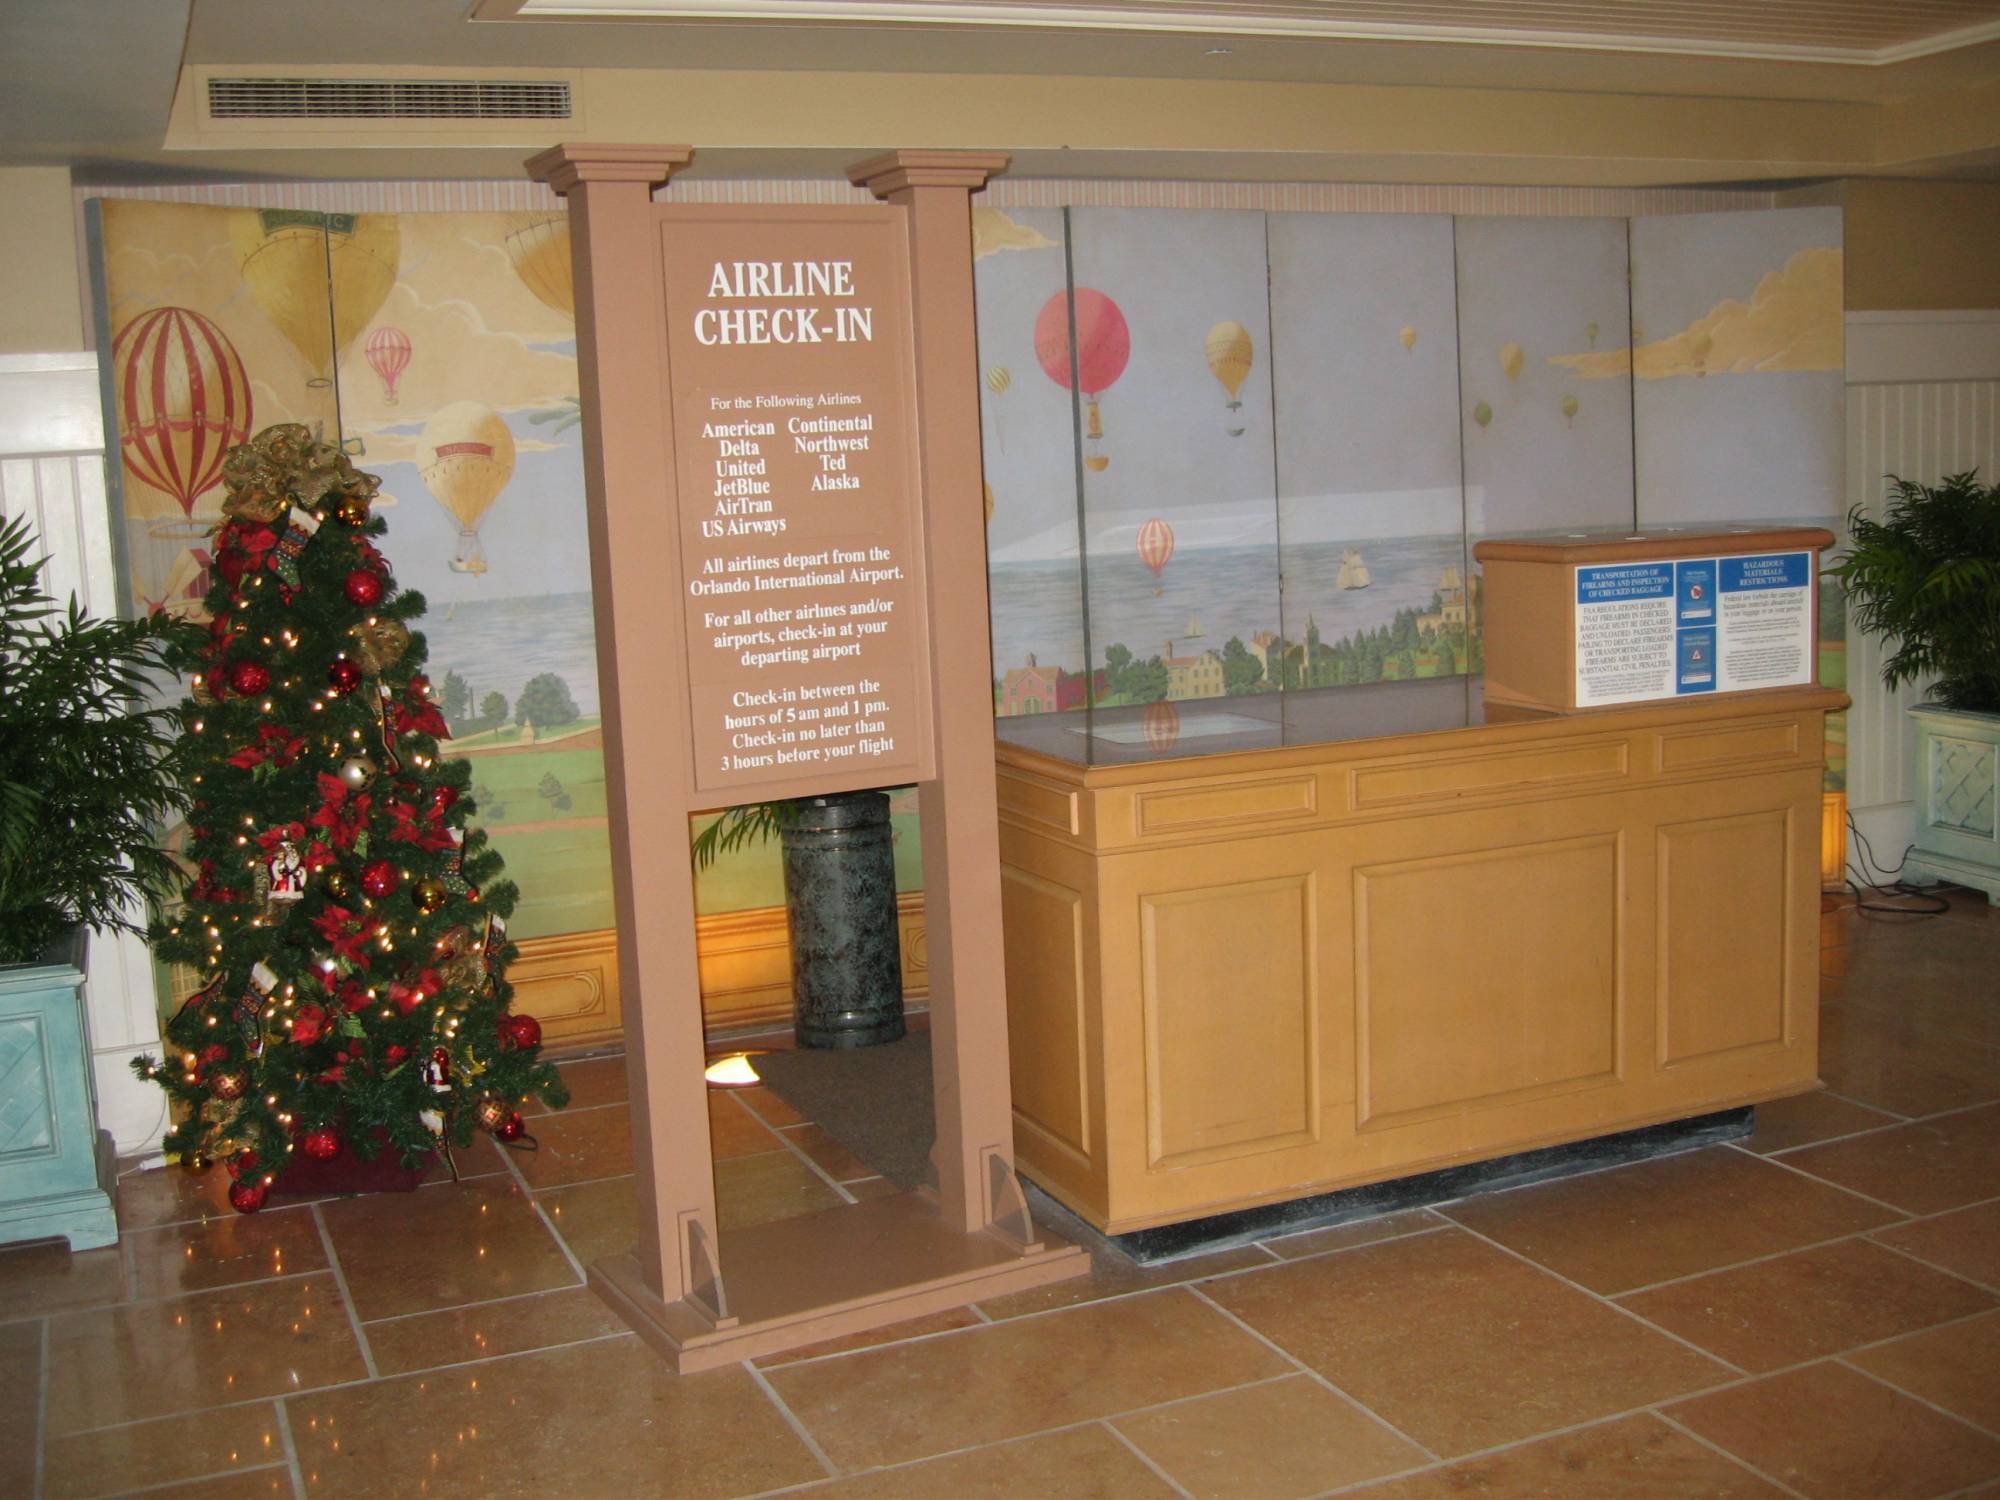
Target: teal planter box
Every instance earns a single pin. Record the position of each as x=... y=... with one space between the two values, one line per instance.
x=1958 y=797
x=56 y=1171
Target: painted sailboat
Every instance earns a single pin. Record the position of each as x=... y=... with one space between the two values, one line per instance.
x=1353 y=571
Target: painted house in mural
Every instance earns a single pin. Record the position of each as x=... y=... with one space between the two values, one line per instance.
x=1198 y=676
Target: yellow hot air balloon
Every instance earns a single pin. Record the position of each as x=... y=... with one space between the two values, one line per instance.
x=465 y=457
x=296 y=262
x=1483 y=415
x=1511 y=359
x=1230 y=355
x=1569 y=410
x=1408 y=337
x=998 y=378
x=539 y=253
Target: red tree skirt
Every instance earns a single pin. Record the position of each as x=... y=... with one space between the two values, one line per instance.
x=304 y=1177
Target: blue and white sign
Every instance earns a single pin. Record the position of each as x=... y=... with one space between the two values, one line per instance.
x=1651 y=630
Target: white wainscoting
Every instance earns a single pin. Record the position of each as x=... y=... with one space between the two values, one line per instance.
x=1923 y=401
x=52 y=471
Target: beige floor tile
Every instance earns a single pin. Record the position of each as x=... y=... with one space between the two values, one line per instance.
x=126 y=1364
x=778 y=1185
x=443 y=1247
x=165 y=1451
x=1923 y=1168
x=20 y=1403
x=911 y=1401
x=592 y=1081
x=1833 y=1434
x=1894 y=1063
x=895 y=1333
x=1808 y=1304
x=1965 y=1241
x=1458 y=1344
x=1957 y=1368
x=1281 y=1441
x=827 y=1153
x=1805 y=1118
x=770 y=1106
x=1633 y=1458
x=170 y=1195
x=595 y=1219
x=1114 y=1274
x=1084 y=1463
x=263 y=1484
x=515 y=1326
x=603 y=1421
x=733 y=1130
x=576 y=1146
x=1671 y=1216
x=1362 y=1232
x=46 y=1277
x=865 y=1188
x=221 y=1252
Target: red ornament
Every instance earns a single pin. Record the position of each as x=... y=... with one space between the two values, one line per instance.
x=243 y=1162
x=247 y=678
x=343 y=676
x=512 y=1128
x=520 y=1031
x=379 y=878
x=322 y=1144
x=362 y=588
x=246 y=1197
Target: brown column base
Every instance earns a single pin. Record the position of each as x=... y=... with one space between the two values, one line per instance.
x=840 y=1271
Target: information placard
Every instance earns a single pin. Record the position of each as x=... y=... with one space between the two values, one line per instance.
x=801 y=541
x=1670 y=628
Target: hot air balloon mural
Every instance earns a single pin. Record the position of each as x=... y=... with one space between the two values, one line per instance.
x=1103 y=345
x=1483 y=415
x=1155 y=546
x=998 y=378
x=1407 y=338
x=539 y=253
x=1569 y=410
x=319 y=278
x=1511 y=360
x=388 y=351
x=465 y=456
x=1230 y=355
x=183 y=400
x=1162 y=722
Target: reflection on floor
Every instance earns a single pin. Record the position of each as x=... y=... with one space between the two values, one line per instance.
x=1813 y=1312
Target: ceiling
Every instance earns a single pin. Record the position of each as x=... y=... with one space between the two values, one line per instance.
x=1541 y=90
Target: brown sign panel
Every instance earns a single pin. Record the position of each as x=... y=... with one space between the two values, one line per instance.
x=790 y=363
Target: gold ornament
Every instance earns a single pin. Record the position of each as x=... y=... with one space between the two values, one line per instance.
x=196 y=1162
x=356 y=772
x=463 y=975
x=198 y=686
x=352 y=509
x=336 y=882
x=428 y=894
x=229 y=1085
x=490 y=1112
x=379 y=644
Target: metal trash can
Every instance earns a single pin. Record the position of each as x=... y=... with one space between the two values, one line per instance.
x=840 y=901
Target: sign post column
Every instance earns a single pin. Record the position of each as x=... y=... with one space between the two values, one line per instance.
x=634 y=561
x=961 y=824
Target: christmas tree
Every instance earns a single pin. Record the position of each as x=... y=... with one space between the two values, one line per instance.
x=349 y=931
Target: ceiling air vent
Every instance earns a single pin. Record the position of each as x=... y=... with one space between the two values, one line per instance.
x=387 y=99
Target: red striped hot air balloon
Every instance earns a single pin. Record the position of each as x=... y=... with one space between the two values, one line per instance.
x=1156 y=545
x=1162 y=722
x=183 y=400
x=1103 y=345
x=388 y=351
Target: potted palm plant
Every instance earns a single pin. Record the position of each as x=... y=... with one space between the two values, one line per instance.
x=86 y=780
x=1926 y=578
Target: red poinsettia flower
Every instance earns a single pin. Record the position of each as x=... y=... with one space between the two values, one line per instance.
x=274 y=744
x=206 y=887
x=423 y=827
x=416 y=714
x=345 y=933
x=318 y=854
x=352 y=995
x=308 y=1024
x=282 y=833
x=242 y=549
x=343 y=814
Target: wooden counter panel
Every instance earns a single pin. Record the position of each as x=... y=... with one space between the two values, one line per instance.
x=1047 y=1041
x=1453 y=1013
x=1234 y=805
x=1037 y=801
x=1242 y=1077
x=1449 y=778
x=1769 y=740
x=1724 y=890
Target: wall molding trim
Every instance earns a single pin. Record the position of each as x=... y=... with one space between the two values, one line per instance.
x=1903 y=347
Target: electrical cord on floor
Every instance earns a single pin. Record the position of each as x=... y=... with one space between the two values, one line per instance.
x=1873 y=878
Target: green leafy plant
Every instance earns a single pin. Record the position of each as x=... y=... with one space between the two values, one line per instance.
x=739 y=826
x=88 y=772
x=1927 y=578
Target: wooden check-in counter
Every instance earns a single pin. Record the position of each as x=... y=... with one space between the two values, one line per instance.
x=1261 y=948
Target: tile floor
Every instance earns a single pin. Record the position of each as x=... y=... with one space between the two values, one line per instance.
x=1813 y=1312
